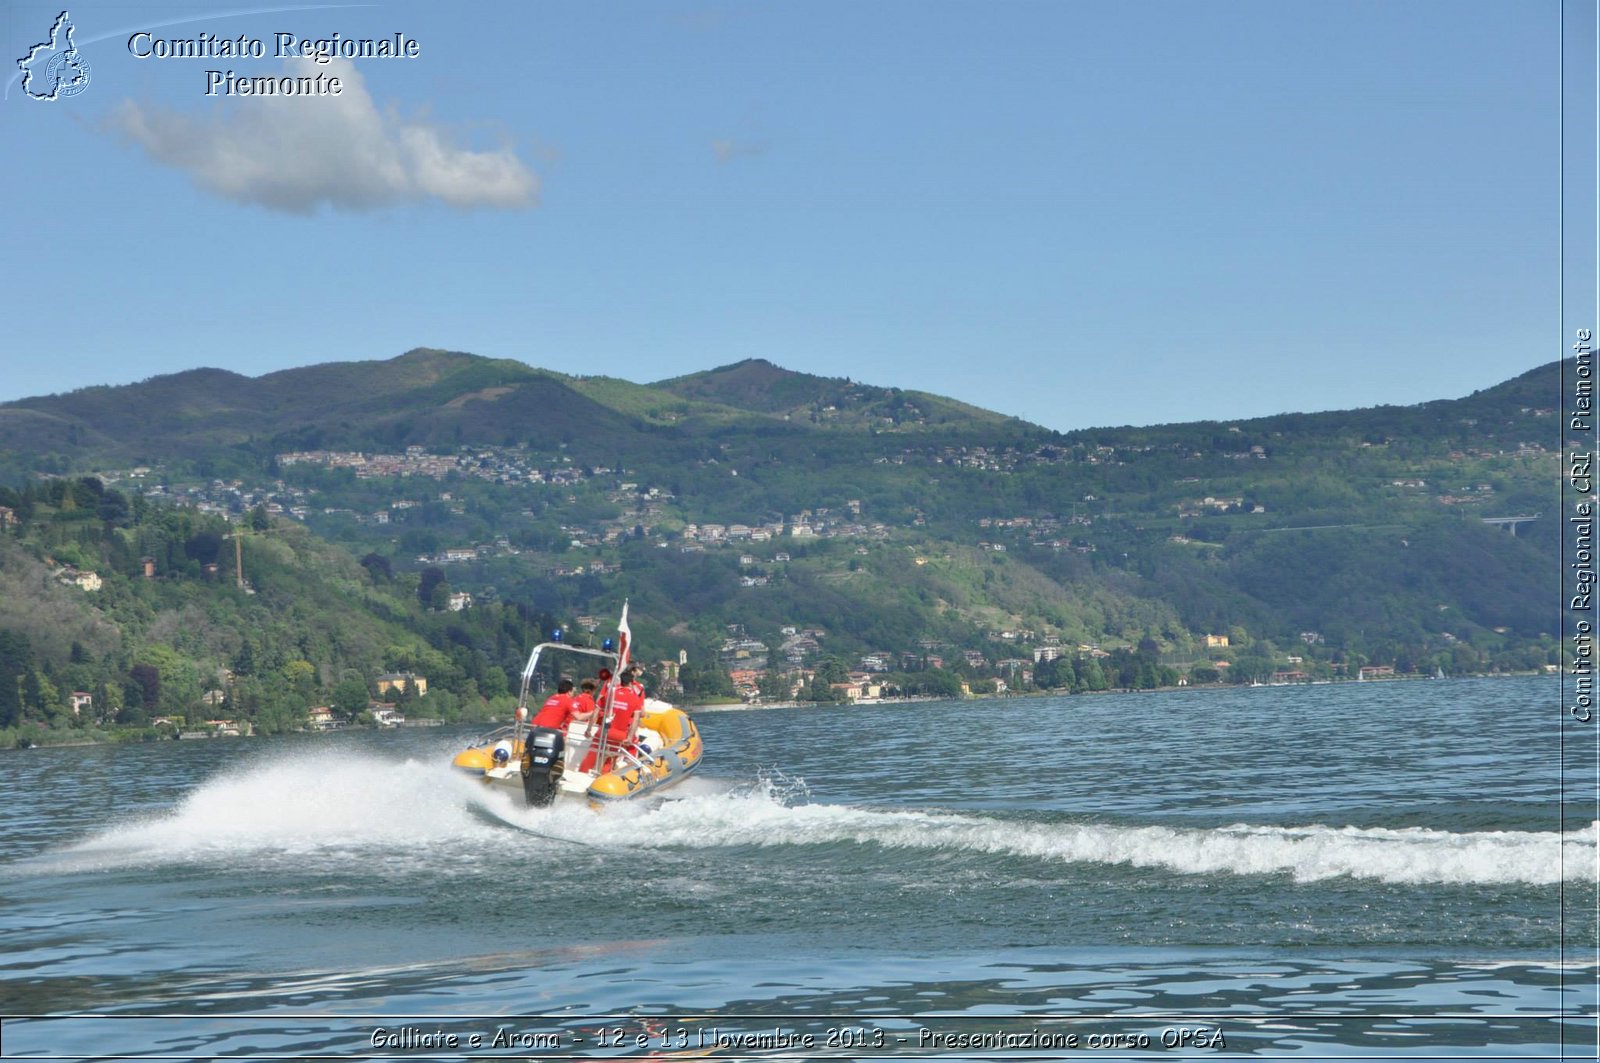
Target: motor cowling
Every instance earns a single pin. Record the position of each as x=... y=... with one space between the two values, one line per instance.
x=542 y=765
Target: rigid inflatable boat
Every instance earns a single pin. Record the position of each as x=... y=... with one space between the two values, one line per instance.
x=590 y=760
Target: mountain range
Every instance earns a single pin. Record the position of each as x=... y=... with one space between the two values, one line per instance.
x=751 y=502
x=431 y=397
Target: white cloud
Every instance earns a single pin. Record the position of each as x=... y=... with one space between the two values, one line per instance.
x=296 y=153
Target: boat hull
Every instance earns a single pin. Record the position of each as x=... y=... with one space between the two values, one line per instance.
x=674 y=753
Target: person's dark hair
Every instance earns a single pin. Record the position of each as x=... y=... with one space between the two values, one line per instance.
x=588 y=685
x=627 y=676
x=564 y=687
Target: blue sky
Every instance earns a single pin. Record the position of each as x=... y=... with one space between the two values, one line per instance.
x=1080 y=212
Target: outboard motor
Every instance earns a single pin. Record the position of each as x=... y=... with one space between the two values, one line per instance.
x=542 y=765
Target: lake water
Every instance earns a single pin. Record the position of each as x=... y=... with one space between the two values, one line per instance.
x=1369 y=870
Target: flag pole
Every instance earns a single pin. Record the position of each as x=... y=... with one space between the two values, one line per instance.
x=608 y=695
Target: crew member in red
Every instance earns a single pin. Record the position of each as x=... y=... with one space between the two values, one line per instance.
x=627 y=699
x=586 y=705
x=627 y=703
x=561 y=708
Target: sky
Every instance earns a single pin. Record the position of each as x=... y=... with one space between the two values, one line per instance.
x=1078 y=212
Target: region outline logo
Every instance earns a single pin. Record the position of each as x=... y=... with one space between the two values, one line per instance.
x=66 y=72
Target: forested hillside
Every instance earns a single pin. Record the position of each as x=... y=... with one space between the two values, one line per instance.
x=115 y=613
x=780 y=532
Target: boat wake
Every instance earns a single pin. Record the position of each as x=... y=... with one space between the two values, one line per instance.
x=319 y=810
x=774 y=812
x=310 y=808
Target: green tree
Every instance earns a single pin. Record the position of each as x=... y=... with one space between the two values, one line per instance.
x=378 y=567
x=439 y=599
x=146 y=682
x=113 y=509
x=1091 y=676
x=349 y=698
x=819 y=690
x=774 y=686
x=16 y=659
x=244 y=662
x=301 y=676
x=832 y=670
x=1053 y=674
x=705 y=681
x=432 y=577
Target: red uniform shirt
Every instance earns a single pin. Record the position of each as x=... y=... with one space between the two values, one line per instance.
x=557 y=712
x=626 y=704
